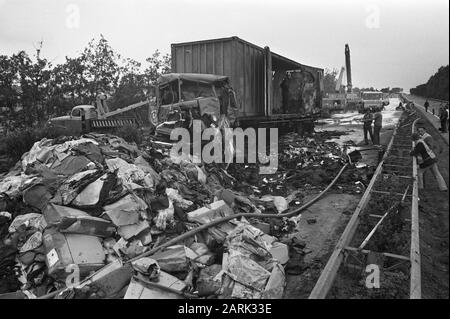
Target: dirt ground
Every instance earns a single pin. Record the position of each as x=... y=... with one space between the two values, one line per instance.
x=331 y=215
x=332 y=212
x=319 y=228
x=434 y=234
x=434 y=246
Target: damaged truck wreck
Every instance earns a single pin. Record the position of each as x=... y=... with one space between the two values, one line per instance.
x=184 y=97
x=92 y=215
x=231 y=82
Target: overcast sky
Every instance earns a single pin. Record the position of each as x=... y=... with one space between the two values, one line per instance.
x=392 y=42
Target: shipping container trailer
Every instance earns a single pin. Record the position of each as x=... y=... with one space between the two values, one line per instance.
x=266 y=83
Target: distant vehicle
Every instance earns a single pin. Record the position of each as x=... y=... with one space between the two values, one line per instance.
x=372 y=100
x=386 y=99
x=86 y=118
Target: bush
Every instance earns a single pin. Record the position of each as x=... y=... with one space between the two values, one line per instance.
x=14 y=144
x=129 y=133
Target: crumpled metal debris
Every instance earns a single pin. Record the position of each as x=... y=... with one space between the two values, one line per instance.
x=98 y=201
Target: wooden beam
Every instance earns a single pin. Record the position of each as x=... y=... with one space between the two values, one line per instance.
x=395 y=165
x=365 y=251
x=386 y=271
x=389 y=193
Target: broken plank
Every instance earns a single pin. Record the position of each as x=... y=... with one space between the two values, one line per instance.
x=365 y=251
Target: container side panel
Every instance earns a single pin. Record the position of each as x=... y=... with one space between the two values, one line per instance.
x=240 y=75
x=218 y=58
x=196 y=59
x=188 y=59
x=210 y=58
x=179 y=57
x=203 y=58
x=248 y=85
x=227 y=59
x=242 y=62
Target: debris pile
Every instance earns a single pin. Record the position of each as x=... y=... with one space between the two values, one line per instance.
x=303 y=162
x=87 y=217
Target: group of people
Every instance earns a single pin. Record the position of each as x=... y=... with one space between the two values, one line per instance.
x=377 y=119
x=426 y=149
x=443 y=115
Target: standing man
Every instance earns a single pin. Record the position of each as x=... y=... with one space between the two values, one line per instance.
x=377 y=124
x=443 y=116
x=426 y=105
x=427 y=138
x=367 y=126
x=427 y=160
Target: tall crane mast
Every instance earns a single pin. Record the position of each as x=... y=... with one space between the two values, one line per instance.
x=349 y=69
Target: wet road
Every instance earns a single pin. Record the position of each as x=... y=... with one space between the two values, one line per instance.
x=348 y=122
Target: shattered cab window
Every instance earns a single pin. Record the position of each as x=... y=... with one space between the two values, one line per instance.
x=192 y=90
x=76 y=112
x=169 y=93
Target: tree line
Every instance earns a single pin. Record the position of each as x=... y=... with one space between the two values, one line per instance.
x=436 y=87
x=32 y=89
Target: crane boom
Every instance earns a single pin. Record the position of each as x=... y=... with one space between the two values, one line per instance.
x=339 y=81
x=349 y=68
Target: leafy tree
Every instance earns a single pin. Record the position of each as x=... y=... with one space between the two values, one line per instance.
x=42 y=90
x=132 y=85
x=157 y=65
x=9 y=94
x=436 y=87
x=34 y=79
x=101 y=68
x=330 y=80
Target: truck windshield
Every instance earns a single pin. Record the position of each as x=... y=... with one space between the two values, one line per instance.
x=191 y=90
x=169 y=93
x=372 y=96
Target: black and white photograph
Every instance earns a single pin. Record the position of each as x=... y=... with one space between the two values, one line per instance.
x=225 y=156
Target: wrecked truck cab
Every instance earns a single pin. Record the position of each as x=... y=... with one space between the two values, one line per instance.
x=74 y=121
x=184 y=97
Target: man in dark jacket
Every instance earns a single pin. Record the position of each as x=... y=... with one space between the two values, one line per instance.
x=367 y=126
x=426 y=106
x=427 y=160
x=377 y=124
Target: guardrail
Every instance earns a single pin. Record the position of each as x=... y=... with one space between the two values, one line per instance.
x=393 y=165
